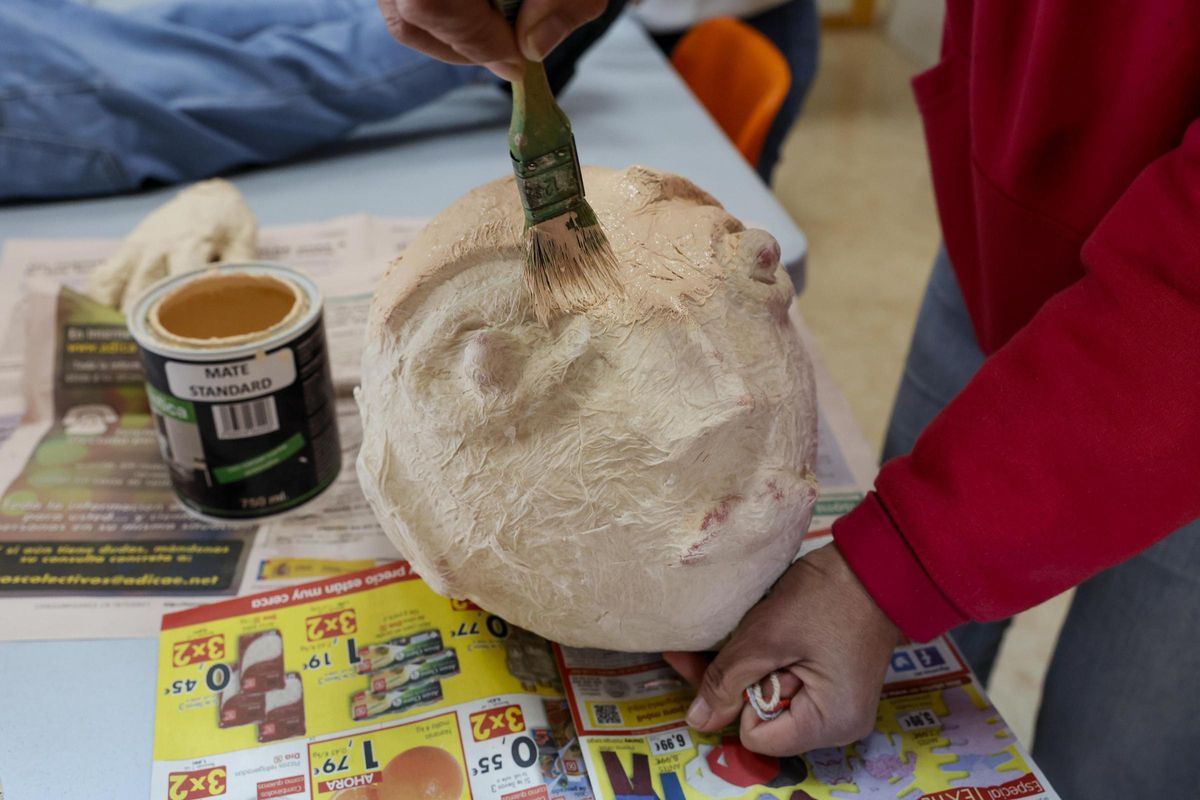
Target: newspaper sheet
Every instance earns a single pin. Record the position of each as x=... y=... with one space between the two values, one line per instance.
x=846 y=466
x=92 y=542
x=89 y=529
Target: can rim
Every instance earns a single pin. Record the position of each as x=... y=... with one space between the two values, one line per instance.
x=145 y=338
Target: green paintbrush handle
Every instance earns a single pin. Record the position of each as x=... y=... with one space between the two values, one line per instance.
x=540 y=142
x=545 y=161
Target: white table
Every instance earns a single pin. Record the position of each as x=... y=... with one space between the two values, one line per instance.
x=76 y=718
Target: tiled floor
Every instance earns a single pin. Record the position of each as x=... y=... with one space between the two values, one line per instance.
x=854 y=175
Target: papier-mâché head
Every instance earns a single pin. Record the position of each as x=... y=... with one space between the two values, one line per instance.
x=631 y=478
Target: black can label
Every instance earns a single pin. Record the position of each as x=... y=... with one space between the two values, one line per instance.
x=249 y=436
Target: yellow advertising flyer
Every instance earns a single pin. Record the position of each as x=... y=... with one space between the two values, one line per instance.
x=362 y=686
x=936 y=737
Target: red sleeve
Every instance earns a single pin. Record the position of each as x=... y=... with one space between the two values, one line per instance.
x=1075 y=446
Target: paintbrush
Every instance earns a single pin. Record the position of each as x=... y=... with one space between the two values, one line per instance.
x=569 y=264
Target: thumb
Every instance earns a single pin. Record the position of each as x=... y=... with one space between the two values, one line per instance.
x=543 y=24
x=745 y=660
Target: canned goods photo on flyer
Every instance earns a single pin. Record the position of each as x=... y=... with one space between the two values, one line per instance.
x=238 y=379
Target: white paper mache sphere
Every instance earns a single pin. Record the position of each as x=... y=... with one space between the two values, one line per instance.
x=633 y=478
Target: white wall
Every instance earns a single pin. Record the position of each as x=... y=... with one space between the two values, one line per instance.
x=915 y=26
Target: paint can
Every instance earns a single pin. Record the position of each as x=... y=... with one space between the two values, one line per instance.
x=237 y=374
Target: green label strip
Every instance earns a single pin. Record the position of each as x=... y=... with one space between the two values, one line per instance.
x=836 y=504
x=261 y=462
x=170 y=406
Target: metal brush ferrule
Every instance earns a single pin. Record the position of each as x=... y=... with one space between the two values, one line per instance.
x=550 y=184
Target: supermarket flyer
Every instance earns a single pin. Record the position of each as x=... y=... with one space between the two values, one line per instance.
x=364 y=686
x=936 y=737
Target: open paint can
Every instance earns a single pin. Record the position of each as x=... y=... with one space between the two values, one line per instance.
x=237 y=374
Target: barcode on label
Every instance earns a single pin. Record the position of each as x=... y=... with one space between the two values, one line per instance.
x=607 y=714
x=243 y=420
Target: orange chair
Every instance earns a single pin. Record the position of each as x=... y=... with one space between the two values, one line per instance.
x=738 y=74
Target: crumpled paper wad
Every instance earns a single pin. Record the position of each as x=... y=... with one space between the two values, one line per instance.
x=207 y=223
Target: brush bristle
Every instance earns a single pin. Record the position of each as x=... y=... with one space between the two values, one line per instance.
x=569 y=264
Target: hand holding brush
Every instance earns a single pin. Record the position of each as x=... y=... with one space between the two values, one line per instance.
x=474 y=32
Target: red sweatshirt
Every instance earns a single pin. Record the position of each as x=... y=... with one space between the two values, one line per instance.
x=1067 y=171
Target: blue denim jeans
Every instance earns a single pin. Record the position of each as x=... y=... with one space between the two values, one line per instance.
x=1120 y=714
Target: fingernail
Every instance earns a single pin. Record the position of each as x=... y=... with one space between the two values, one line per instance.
x=699 y=713
x=544 y=36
